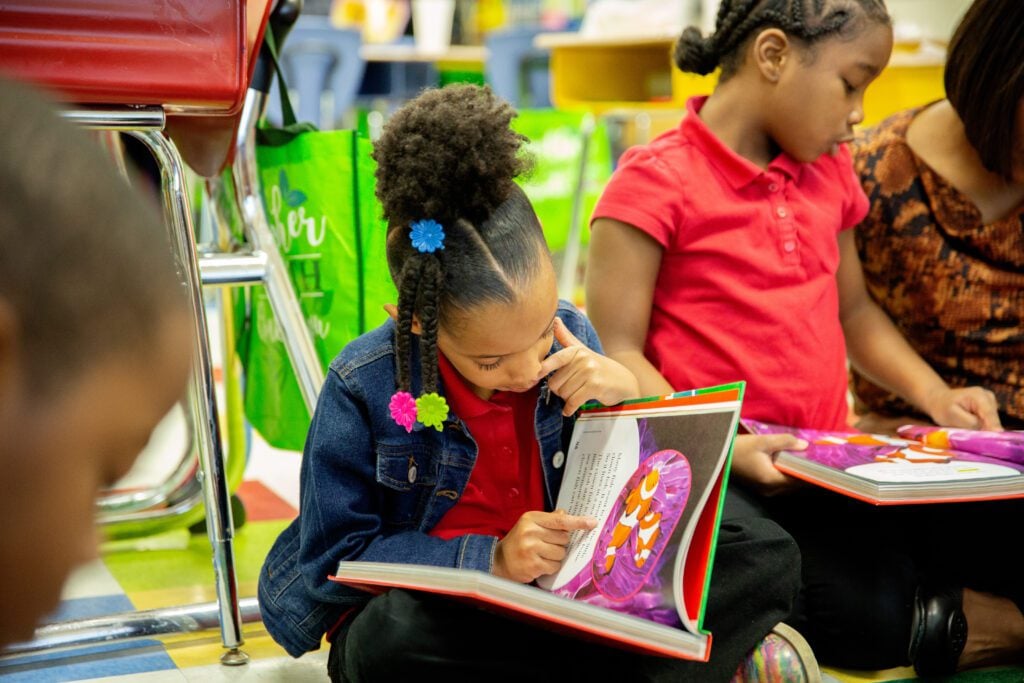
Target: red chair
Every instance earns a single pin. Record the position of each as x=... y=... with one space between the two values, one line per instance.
x=185 y=78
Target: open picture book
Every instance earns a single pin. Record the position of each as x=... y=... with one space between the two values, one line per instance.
x=653 y=473
x=921 y=465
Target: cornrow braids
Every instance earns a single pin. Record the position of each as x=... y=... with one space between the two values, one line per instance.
x=408 y=284
x=419 y=293
x=421 y=286
x=427 y=304
x=806 y=20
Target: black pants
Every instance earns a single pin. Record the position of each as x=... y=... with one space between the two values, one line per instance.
x=402 y=635
x=862 y=565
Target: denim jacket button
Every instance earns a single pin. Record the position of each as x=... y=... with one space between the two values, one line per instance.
x=558 y=459
x=412 y=473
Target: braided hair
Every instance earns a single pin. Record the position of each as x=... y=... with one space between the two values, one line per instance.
x=450 y=156
x=806 y=20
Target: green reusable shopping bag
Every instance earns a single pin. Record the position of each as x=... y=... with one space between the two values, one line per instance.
x=556 y=144
x=318 y=195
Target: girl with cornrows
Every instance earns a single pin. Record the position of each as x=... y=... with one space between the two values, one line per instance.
x=439 y=438
x=722 y=251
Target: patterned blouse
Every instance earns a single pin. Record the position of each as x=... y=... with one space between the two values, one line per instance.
x=952 y=285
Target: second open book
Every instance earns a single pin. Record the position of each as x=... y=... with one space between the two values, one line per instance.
x=653 y=473
x=922 y=465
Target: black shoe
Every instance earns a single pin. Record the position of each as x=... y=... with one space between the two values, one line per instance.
x=938 y=631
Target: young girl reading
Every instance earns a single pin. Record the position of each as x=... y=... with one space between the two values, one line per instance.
x=721 y=251
x=438 y=438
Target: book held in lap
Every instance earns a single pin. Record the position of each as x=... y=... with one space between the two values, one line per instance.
x=921 y=465
x=652 y=472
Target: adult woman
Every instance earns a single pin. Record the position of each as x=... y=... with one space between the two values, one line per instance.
x=943 y=246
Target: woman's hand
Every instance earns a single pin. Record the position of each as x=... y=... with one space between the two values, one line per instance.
x=967 y=408
x=753 y=462
x=582 y=375
x=536 y=544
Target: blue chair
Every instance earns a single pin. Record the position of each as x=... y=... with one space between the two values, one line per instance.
x=516 y=70
x=319 y=58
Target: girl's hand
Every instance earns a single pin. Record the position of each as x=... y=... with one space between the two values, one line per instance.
x=967 y=408
x=536 y=545
x=581 y=375
x=753 y=461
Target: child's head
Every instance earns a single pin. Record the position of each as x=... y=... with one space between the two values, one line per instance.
x=94 y=346
x=985 y=83
x=487 y=297
x=808 y=63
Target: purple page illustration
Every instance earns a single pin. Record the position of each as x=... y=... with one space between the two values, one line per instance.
x=1007 y=446
x=645 y=514
x=886 y=459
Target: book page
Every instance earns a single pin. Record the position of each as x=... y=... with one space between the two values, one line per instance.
x=1008 y=446
x=905 y=472
x=645 y=476
x=602 y=456
x=891 y=460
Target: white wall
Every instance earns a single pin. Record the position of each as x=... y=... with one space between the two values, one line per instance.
x=934 y=19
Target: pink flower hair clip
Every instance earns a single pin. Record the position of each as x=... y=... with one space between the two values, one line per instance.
x=403 y=409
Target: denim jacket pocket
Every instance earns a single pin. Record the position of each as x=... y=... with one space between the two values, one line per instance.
x=406 y=471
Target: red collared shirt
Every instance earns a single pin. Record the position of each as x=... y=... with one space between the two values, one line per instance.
x=746 y=288
x=506 y=480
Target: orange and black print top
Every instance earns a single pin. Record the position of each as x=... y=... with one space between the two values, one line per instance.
x=953 y=285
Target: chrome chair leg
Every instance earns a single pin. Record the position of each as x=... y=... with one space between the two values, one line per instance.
x=128 y=626
x=216 y=495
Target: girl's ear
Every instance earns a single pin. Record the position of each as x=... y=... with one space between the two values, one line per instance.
x=771 y=50
x=392 y=311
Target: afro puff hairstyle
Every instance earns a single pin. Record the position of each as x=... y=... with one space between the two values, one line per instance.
x=450 y=156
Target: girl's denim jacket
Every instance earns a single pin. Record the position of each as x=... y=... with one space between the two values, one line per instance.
x=371 y=491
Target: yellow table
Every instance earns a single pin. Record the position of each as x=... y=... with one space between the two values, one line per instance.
x=473 y=55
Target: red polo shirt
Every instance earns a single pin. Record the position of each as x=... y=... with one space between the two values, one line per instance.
x=746 y=288
x=506 y=480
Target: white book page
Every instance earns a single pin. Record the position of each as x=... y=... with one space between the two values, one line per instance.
x=602 y=456
x=902 y=472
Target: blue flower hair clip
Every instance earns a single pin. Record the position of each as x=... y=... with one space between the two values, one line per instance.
x=427 y=235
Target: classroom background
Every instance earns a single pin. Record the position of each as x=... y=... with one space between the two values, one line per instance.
x=588 y=78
